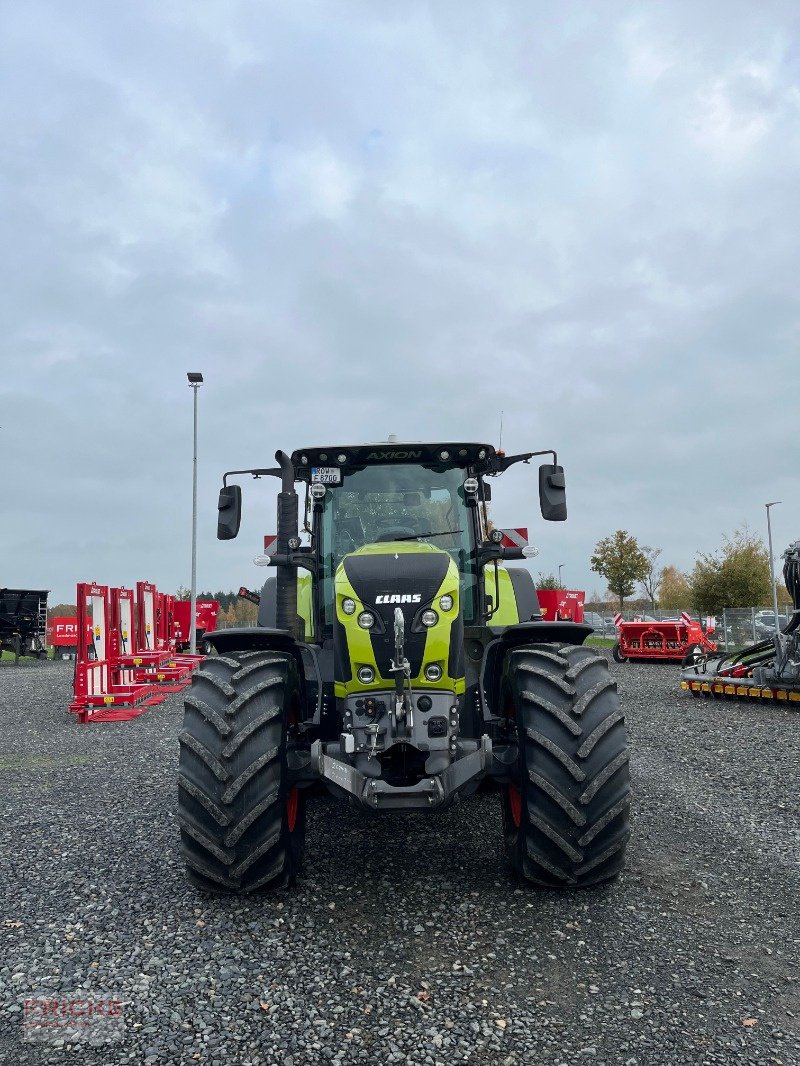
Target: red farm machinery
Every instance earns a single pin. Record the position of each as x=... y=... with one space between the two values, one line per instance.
x=766 y=670
x=681 y=640
x=129 y=658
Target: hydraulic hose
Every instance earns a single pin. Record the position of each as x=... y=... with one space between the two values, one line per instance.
x=791 y=578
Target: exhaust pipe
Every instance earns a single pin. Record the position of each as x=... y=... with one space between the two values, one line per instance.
x=286 y=593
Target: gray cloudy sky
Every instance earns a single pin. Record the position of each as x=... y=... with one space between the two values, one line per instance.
x=361 y=218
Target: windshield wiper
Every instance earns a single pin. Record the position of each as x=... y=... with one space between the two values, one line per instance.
x=418 y=536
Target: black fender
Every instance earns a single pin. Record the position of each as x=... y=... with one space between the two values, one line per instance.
x=507 y=638
x=541 y=632
x=251 y=638
x=263 y=638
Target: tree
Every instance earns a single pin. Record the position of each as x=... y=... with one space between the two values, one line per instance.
x=652 y=578
x=784 y=599
x=62 y=610
x=182 y=593
x=674 y=590
x=736 y=576
x=547 y=581
x=620 y=560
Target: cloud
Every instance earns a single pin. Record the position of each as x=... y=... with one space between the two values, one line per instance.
x=360 y=219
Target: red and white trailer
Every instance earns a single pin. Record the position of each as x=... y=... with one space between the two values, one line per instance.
x=561 y=605
x=205 y=621
x=62 y=635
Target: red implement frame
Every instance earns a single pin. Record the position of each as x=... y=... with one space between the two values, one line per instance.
x=129 y=663
x=105 y=688
x=661 y=640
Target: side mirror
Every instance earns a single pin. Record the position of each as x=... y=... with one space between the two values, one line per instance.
x=552 y=493
x=487 y=492
x=230 y=512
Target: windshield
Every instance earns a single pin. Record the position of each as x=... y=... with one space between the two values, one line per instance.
x=404 y=502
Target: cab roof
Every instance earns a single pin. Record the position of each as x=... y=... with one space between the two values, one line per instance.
x=480 y=457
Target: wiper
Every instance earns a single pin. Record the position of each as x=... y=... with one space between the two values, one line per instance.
x=418 y=536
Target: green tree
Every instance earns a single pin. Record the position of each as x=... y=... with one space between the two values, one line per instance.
x=652 y=578
x=735 y=576
x=547 y=581
x=784 y=599
x=62 y=610
x=674 y=590
x=621 y=561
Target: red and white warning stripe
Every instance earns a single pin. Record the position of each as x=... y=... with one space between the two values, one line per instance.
x=617 y=619
x=515 y=538
x=270 y=540
x=685 y=617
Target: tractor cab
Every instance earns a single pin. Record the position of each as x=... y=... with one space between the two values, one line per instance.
x=381 y=510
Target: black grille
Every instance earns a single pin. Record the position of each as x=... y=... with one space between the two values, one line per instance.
x=407 y=574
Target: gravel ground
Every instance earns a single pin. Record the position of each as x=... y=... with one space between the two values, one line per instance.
x=399 y=944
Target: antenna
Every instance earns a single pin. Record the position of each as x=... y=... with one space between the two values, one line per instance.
x=500 y=445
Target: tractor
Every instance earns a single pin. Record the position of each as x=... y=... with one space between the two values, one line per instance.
x=398 y=663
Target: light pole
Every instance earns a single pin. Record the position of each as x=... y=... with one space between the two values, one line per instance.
x=772 y=567
x=559 y=575
x=195 y=381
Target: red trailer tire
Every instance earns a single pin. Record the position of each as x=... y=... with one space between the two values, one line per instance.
x=616 y=654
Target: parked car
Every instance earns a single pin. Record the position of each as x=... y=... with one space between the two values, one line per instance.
x=591 y=618
x=765 y=624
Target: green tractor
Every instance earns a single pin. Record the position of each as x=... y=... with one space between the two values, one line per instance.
x=398 y=664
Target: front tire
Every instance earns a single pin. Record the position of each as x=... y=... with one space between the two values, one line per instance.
x=566 y=816
x=616 y=654
x=242 y=826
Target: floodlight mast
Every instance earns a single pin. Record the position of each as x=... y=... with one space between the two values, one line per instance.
x=195 y=381
x=772 y=569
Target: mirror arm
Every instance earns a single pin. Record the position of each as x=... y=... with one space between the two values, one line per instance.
x=488 y=553
x=492 y=553
x=496 y=603
x=508 y=460
x=257 y=473
x=307 y=562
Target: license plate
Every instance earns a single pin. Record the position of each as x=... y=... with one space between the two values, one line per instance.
x=327 y=475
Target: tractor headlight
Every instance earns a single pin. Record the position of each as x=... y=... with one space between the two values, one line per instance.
x=433 y=672
x=366 y=675
x=366 y=620
x=429 y=618
x=348 y=605
x=446 y=602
